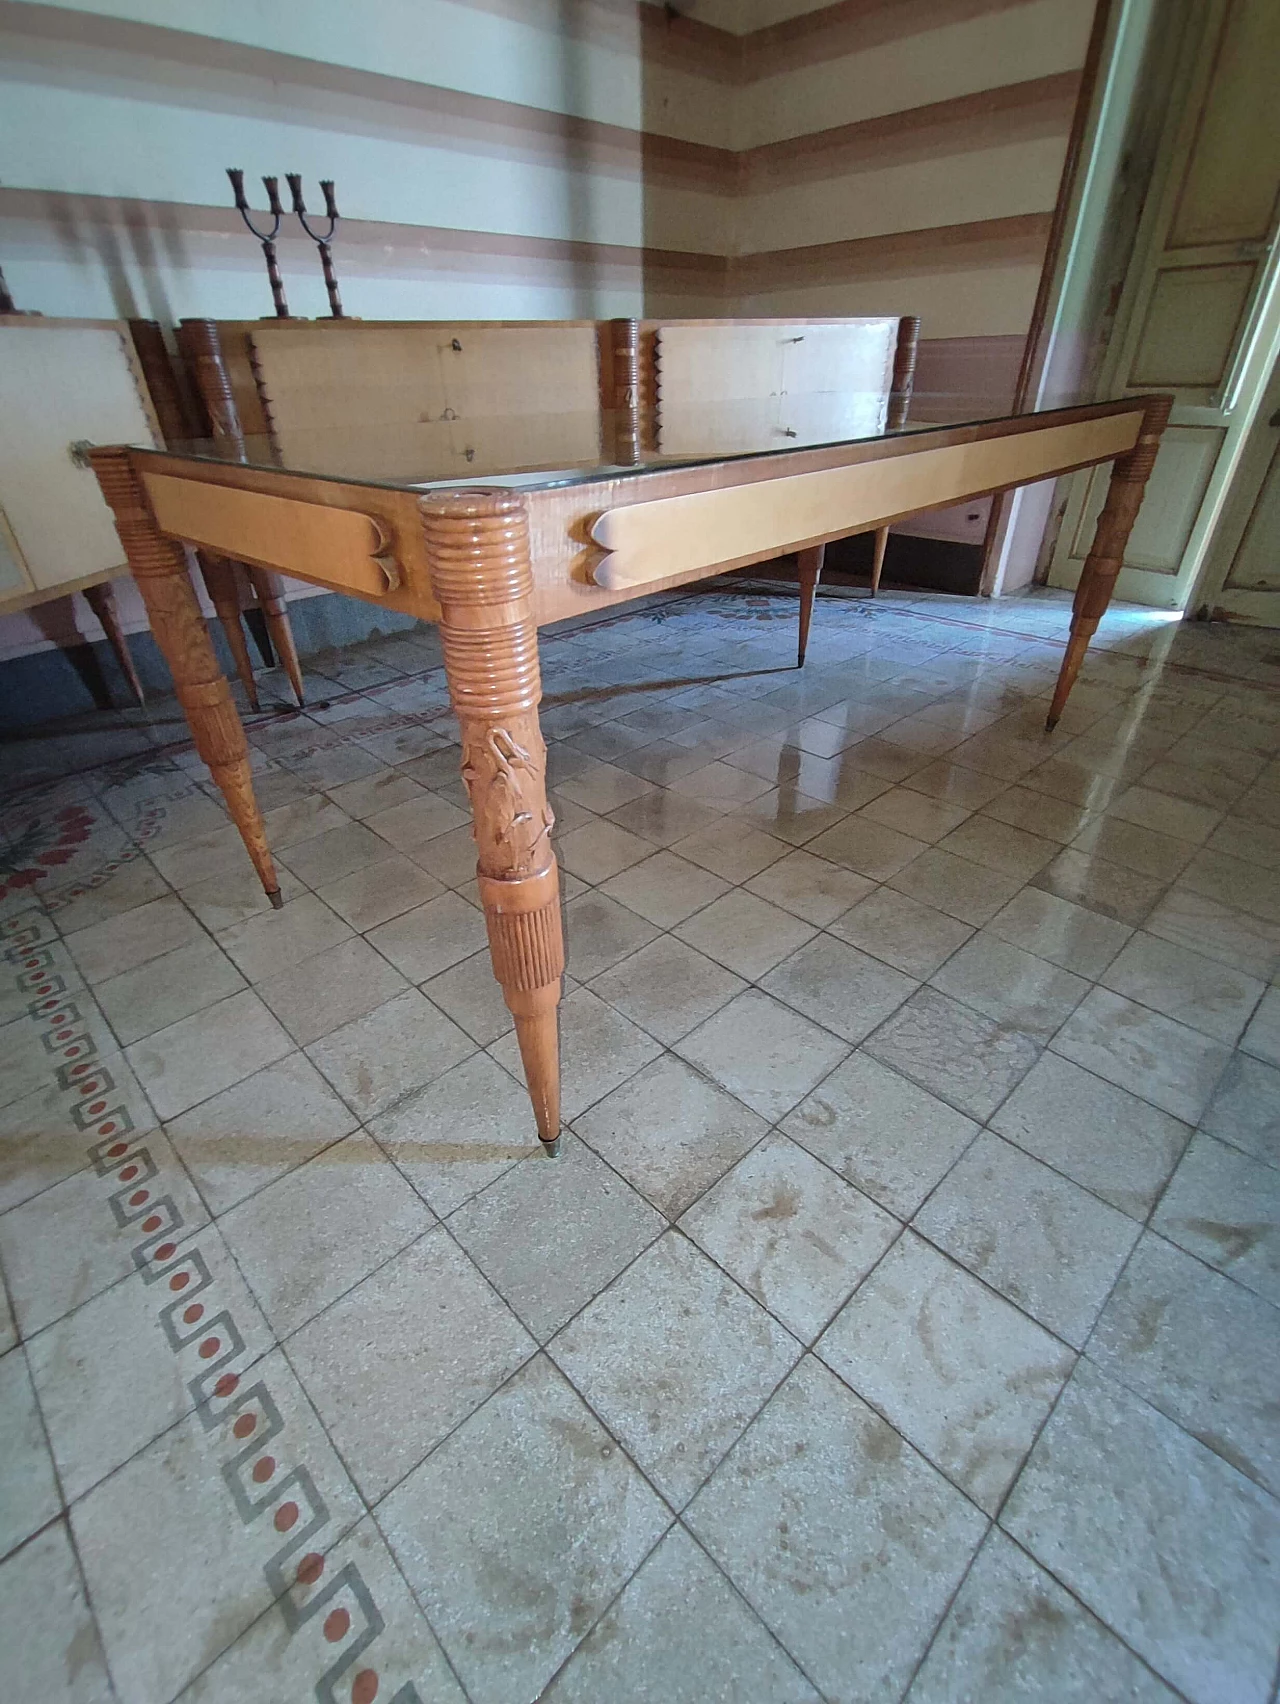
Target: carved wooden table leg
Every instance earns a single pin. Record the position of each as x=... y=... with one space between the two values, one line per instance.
x=877 y=560
x=809 y=565
x=102 y=601
x=625 y=396
x=904 y=375
x=270 y=595
x=160 y=568
x=202 y=350
x=478 y=548
x=1106 y=554
x=219 y=577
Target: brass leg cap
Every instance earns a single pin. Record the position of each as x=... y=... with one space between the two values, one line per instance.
x=551 y=1149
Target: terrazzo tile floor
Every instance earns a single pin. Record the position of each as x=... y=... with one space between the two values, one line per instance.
x=900 y=1320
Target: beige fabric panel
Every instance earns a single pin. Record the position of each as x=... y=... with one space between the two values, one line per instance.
x=383 y=377
x=732 y=387
x=61 y=383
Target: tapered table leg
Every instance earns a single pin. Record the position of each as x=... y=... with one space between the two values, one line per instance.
x=270 y=595
x=877 y=560
x=904 y=375
x=478 y=549
x=1106 y=554
x=102 y=601
x=160 y=568
x=809 y=565
x=201 y=347
x=219 y=577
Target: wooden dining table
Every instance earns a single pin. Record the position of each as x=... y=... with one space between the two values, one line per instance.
x=491 y=528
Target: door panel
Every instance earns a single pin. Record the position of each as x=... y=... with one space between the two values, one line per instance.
x=1242 y=577
x=1256 y=567
x=1173 y=497
x=1192 y=327
x=1218 y=203
x=1195 y=298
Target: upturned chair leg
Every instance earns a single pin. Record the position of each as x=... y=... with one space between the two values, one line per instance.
x=219 y=577
x=877 y=561
x=270 y=595
x=102 y=601
x=809 y=565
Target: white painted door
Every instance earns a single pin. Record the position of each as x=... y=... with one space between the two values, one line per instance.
x=1190 y=318
x=1242 y=577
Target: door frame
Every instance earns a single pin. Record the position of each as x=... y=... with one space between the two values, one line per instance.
x=1244 y=384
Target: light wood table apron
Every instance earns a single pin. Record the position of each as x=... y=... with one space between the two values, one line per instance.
x=491 y=565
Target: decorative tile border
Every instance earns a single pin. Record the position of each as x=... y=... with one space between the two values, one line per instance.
x=261 y=1483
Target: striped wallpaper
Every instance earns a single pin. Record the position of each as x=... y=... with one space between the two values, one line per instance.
x=547 y=158
x=544 y=156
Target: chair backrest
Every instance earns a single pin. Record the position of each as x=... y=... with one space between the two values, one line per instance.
x=62 y=381
x=733 y=385
x=481 y=397
x=485 y=396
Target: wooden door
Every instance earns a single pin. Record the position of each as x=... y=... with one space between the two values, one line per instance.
x=1242 y=578
x=1191 y=311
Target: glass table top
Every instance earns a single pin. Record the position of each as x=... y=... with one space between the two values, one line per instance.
x=550 y=449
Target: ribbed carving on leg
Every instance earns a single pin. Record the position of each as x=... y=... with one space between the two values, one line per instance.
x=625 y=340
x=527 y=947
x=493 y=673
x=1141 y=459
x=478 y=544
x=201 y=348
x=904 y=371
x=625 y=336
x=148 y=551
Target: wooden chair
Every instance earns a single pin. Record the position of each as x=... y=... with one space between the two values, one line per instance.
x=217 y=416
x=725 y=385
x=63 y=383
x=179 y=421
